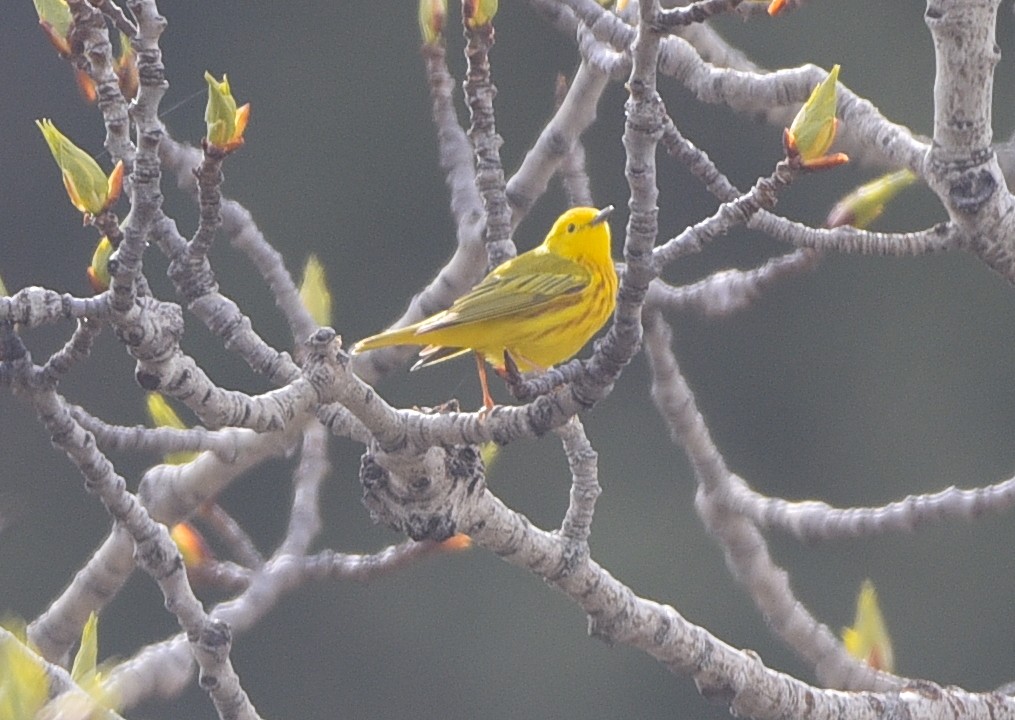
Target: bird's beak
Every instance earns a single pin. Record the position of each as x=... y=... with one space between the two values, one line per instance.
x=603 y=214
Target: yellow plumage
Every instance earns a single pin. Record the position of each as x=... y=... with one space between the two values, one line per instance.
x=541 y=307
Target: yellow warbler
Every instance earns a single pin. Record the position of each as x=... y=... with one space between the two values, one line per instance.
x=541 y=307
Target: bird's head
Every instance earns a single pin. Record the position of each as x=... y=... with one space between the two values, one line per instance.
x=581 y=233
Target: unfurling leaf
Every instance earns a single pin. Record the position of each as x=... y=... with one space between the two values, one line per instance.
x=314 y=291
x=162 y=415
x=88 y=652
x=126 y=69
x=88 y=188
x=87 y=674
x=98 y=271
x=55 y=20
x=868 y=639
x=24 y=687
x=225 y=123
x=489 y=451
x=865 y=204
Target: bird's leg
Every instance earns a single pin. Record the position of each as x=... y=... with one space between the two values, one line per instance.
x=510 y=374
x=487 y=398
x=517 y=385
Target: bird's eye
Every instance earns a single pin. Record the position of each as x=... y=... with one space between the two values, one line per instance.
x=571 y=228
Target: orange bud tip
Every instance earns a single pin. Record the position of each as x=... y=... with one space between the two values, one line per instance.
x=191 y=544
x=115 y=185
x=128 y=79
x=126 y=69
x=826 y=162
x=231 y=146
x=776 y=6
x=461 y=541
x=86 y=86
x=789 y=143
x=94 y=281
x=242 y=118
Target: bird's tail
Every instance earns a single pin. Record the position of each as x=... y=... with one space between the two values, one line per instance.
x=399 y=336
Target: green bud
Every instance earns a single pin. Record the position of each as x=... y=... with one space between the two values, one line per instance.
x=225 y=122
x=478 y=13
x=866 y=203
x=89 y=189
x=432 y=14
x=813 y=128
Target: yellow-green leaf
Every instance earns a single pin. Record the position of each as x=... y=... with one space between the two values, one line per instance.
x=314 y=291
x=98 y=271
x=56 y=14
x=868 y=640
x=87 y=674
x=489 y=451
x=162 y=415
x=866 y=203
x=24 y=687
x=83 y=669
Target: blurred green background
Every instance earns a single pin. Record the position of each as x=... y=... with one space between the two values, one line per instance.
x=861 y=382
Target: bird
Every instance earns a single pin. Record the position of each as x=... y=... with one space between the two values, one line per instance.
x=540 y=307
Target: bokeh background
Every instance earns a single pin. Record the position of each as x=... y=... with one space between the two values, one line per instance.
x=861 y=382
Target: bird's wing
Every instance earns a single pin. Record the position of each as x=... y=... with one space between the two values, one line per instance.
x=524 y=284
